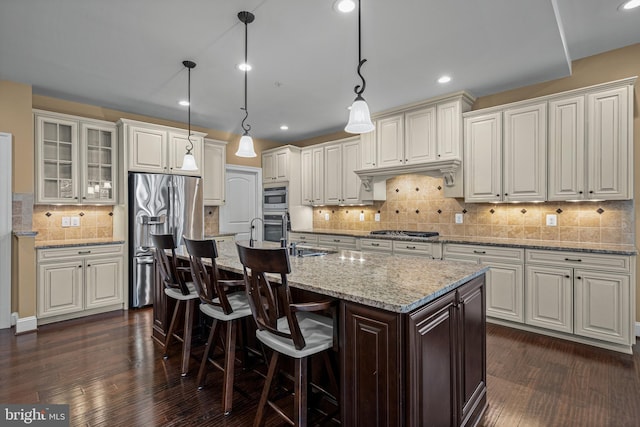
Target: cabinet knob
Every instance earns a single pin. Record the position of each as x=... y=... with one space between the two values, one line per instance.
x=406 y=160
x=590 y=191
x=497 y=195
x=438 y=155
x=566 y=276
x=79 y=266
x=374 y=164
x=506 y=194
x=579 y=277
x=88 y=265
x=580 y=192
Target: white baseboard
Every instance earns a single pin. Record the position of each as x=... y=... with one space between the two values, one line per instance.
x=26 y=324
x=638 y=329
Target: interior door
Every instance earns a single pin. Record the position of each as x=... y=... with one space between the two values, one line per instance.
x=243 y=187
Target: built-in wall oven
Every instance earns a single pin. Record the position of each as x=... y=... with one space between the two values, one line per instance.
x=275 y=199
x=273 y=228
x=275 y=206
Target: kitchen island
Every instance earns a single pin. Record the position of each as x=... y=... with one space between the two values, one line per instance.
x=411 y=334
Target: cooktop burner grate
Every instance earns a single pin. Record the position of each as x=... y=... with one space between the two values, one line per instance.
x=404 y=233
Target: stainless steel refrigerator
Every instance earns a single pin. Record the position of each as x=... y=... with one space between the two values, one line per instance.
x=159 y=204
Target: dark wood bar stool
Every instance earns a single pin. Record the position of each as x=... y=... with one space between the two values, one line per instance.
x=223 y=301
x=290 y=329
x=177 y=287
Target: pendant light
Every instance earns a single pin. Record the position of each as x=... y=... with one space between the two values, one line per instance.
x=189 y=162
x=245 y=148
x=359 y=116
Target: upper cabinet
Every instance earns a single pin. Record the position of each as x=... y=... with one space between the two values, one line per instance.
x=275 y=165
x=576 y=145
x=213 y=172
x=76 y=159
x=341 y=185
x=159 y=149
x=283 y=165
x=312 y=175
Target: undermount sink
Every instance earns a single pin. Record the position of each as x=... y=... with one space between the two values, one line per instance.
x=307 y=252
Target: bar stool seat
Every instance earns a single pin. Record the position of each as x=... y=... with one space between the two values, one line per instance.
x=239 y=304
x=177 y=294
x=316 y=329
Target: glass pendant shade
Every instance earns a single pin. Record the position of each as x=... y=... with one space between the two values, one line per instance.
x=359 y=117
x=189 y=163
x=245 y=148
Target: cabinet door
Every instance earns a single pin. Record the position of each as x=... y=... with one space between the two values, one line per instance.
x=549 y=297
x=472 y=348
x=56 y=160
x=449 y=127
x=390 y=140
x=372 y=366
x=566 y=149
x=333 y=174
x=432 y=390
x=306 y=176
x=178 y=144
x=317 y=190
x=60 y=288
x=525 y=153
x=268 y=167
x=147 y=150
x=99 y=160
x=282 y=165
x=213 y=172
x=505 y=291
x=420 y=135
x=483 y=158
x=602 y=306
x=608 y=145
x=369 y=150
x=103 y=282
x=350 y=162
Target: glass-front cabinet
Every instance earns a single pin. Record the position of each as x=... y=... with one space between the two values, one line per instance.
x=76 y=159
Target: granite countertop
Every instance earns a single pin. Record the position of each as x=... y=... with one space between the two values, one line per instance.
x=397 y=283
x=51 y=244
x=604 y=248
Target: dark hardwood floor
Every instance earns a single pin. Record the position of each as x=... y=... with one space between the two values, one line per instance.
x=111 y=373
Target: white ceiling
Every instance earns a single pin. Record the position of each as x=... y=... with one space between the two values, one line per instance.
x=127 y=54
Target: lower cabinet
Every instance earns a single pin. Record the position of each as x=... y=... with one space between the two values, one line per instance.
x=337 y=242
x=74 y=282
x=438 y=363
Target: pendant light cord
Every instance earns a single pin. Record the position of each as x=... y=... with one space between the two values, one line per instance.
x=189 y=110
x=246 y=127
x=360 y=89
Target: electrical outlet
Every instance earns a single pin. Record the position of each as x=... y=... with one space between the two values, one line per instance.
x=66 y=221
x=459 y=218
x=552 y=220
x=75 y=221
x=377 y=217
x=361 y=216
x=326 y=217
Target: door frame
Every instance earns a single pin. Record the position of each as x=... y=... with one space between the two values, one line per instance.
x=252 y=170
x=6 y=204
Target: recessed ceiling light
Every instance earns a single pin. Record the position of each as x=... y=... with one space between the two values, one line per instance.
x=631 y=4
x=344 y=6
x=184 y=103
x=284 y=127
x=444 y=79
x=244 y=67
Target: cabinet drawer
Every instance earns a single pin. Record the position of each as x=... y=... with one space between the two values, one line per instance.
x=342 y=242
x=484 y=252
x=413 y=248
x=220 y=239
x=308 y=238
x=376 y=245
x=83 y=251
x=620 y=263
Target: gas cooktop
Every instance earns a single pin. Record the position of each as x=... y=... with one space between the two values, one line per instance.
x=404 y=233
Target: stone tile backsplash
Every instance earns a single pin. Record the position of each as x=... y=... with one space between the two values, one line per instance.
x=95 y=222
x=211 y=220
x=414 y=202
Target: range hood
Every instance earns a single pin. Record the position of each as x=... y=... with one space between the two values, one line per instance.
x=449 y=170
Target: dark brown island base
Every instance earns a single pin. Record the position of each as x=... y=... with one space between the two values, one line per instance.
x=411 y=335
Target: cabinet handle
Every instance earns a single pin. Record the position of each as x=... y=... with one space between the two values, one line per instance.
x=573 y=259
x=83 y=252
x=479 y=252
x=336 y=240
x=375 y=244
x=410 y=247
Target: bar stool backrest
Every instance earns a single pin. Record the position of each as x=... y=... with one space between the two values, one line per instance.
x=168 y=271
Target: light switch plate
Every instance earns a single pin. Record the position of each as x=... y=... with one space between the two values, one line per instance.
x=326 y=217
x=377 y=217
x=552 y=220
x=361 y=216
x=75 y=221
x=66 y=221
x=459 y=218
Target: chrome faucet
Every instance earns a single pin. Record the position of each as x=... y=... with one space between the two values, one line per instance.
x=251 y=239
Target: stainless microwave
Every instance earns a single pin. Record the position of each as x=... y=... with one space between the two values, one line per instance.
x=275 y=199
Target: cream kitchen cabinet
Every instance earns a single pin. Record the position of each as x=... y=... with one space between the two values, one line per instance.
x=407 y=138
x=369 y=150
x=158 y=149
x=376 y=245
x=505 y=278
x=505 y=154
x=303 y=238
x=341 y=185
x=427 y=249
x=78 y=281
x=76 y=159
x=213 y=172
x=276 y=165
x=590 y=143
x=338 y=242
x=584 y=294
x=312 y=175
